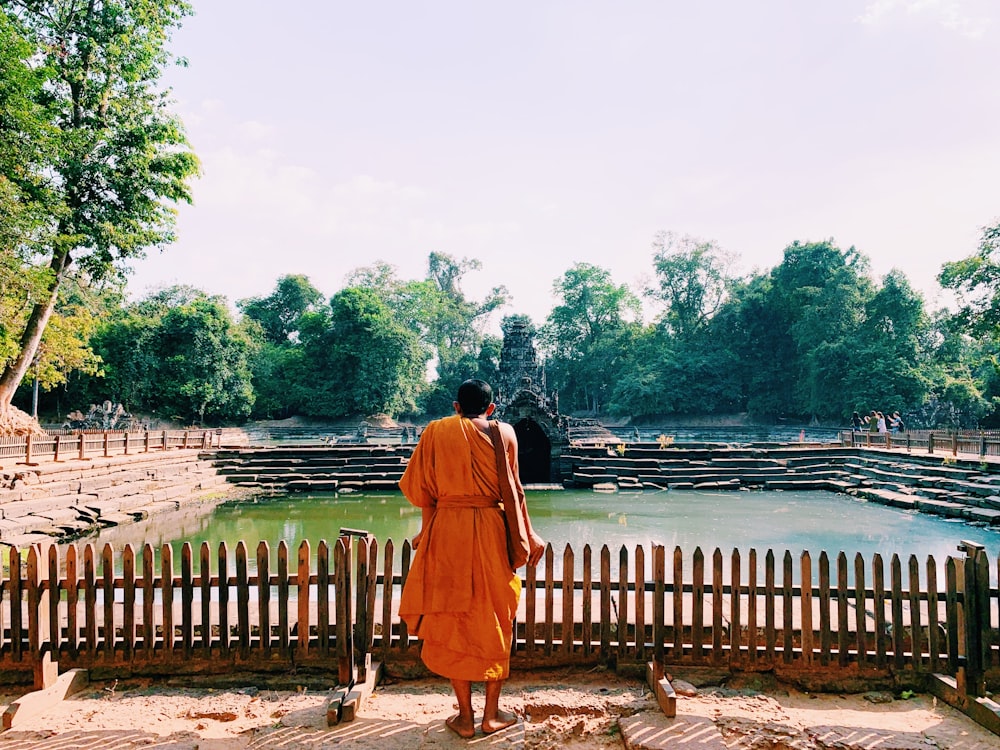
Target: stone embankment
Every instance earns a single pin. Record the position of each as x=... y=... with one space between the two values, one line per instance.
x=333 y=468
x=64 y=500
x=968 y=489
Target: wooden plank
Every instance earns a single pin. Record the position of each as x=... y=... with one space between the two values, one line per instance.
x=242 y=600
x=770 y=636
x=933 y=619
x=878 y=604
x=860 y=610
x=205 y=587
x=588 y=601
x=371 y=590
x=752 y=606
x=302 y=579
x=640 y=603
x=677 y=649
x=404 y=637
x=284 y=598
x=72 y=602
x=698 y=606
x=567 y=627
x=666 y=698
x=916 y=635
x=15 y=588
x=843 y=634
x=54 y=597
x=622 y=624
x=717 y=625
x=825 y=637
x=25 y=710
x=264 y=596
x=530 y=590
x=223 y=597
x=89 y=605
x=549 y=626
x=952 y=577
x=805 y=608
x=34 y=594
x=387 y=589
x=128 y=602
x=897 y=612
x=605 y=605
x=343 y=557
x=735 y=618
x=187 y=599
x=323 y=596
x=659 y=591
x=108 y=581
x=360 y=597
x=787 y=626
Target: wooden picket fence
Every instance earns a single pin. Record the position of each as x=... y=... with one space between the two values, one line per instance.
x=335 y=609
x=83 y=444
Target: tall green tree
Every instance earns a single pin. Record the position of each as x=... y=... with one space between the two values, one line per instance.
x=976 y=280
x=364 y=362
x=114 y=160
x=693 y=279
x=587 y=335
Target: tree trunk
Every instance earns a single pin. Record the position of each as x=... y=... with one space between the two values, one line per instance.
x=14 y=373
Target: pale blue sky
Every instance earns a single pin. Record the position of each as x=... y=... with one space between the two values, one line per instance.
x=533 y=135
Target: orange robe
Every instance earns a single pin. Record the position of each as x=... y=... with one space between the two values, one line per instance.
x=460 y=596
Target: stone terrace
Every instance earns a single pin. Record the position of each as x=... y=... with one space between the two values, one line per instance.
x=67 y=499
x=956 y=488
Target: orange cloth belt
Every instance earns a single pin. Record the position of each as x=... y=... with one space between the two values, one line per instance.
x=468 y=501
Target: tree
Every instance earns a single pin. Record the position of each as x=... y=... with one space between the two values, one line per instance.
x=587 y=335
x=114 y=159
x=693 y=279
x=364 y=362
x=976 y=279
x=280 y=312
x=178 y=353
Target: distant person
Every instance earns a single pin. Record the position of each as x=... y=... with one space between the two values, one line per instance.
x=461 y=595
x=872 y=421
x=856 y=422
x=896 y=423
x=881 y=423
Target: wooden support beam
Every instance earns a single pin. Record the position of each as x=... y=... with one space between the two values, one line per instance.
x=666 y=698
x=346 y=703
x=27 y=707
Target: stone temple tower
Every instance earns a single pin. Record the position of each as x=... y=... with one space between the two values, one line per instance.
x=523 y=401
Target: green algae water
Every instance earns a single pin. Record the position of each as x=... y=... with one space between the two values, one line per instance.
x=795 y=521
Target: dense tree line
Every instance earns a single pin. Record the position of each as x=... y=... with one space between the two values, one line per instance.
x=93 y=161
x=813 y=338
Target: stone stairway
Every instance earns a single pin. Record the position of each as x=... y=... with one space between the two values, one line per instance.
x=325 y=468
x=69 y=499
x=953 y=488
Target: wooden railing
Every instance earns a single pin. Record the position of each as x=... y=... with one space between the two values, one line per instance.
x=86 y=444
x=974 y=443
x=333 y=609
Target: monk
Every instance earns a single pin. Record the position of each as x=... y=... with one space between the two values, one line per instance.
x=461 y=595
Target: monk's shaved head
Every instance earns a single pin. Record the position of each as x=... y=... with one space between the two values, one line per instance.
x=474 y=397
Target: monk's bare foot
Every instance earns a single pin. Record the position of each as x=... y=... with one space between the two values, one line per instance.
x=464 y=728
x=502 y=720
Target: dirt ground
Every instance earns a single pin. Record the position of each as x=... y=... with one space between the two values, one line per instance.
x=581 y=710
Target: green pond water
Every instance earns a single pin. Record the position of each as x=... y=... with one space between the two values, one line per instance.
x=793 y=521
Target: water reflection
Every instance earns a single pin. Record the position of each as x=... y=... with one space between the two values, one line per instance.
x=794 y=521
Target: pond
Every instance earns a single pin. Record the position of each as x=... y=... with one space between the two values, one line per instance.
x=793 y=521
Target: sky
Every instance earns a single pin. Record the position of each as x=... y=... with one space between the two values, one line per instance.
x=535 y=135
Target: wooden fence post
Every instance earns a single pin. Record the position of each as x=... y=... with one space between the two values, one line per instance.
x=107 y=444
x=977 y=616
x=930 y=442
x=55 y=450
x=145 y=442
x=126 y=443
x=954 y=444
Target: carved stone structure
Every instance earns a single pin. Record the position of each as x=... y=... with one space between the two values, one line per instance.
x=106 y=416
x=523 y=401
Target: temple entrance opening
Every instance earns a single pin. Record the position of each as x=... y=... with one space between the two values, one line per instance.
x=534 y=452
